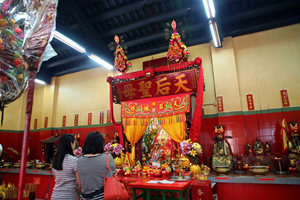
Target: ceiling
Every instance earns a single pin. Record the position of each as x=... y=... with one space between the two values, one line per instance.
x=142 y=26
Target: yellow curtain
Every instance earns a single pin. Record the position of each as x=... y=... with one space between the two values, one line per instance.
x=134 y=130
x=175 y=126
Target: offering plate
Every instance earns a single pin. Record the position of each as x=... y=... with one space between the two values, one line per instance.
x=176 y=178
x=222 y=170
x=259 y=170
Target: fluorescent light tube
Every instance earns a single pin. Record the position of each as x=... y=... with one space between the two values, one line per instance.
x=209 y=8
x=215 y=33
x=68 y=41
x=38 y=81
x=100 y=61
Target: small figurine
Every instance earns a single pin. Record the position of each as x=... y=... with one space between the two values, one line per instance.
x=258 y=148
x=221 y=151
x=268 y=148
x=248 y=149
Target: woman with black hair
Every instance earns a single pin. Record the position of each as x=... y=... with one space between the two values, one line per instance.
x=65 y=170
x=91 y=167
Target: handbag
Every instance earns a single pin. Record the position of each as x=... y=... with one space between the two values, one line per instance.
x=113 y=188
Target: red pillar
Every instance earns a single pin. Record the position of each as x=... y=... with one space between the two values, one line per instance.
x=26 y=131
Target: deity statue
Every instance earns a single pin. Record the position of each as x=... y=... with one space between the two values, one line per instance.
x=162 y=148
x=294 y=145
x=268 y=148
x=221 y=151
x=156 y=154
x=248 y=149
x=258 y=148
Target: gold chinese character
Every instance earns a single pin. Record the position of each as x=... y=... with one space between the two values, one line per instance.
x=161 y=106
x=181 y=83
x=129 y=91
x=163 y=88
x=144 y=88
x=146 y=108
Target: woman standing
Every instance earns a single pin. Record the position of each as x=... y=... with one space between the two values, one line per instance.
x=65 y=170
x=91 y=167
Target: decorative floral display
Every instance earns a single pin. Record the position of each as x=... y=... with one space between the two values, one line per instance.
x=121 y=62
x=191 y=150
x=115 y=148
x=78 y=152
x=177 y=50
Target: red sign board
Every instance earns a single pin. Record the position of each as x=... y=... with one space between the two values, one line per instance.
x=101 y=119
x=220 y=104
x=89 y=118
x=155 y=63
x=46 y=122
x=108 y=116
x=76 y=120
x=161 y=85
x=284 y=98
x=250 y=102
x=64 y=121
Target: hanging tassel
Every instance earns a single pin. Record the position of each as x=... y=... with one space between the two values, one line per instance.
x=2 y=106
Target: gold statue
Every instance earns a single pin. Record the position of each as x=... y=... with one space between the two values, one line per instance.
x=221 y=151
x=294 y=145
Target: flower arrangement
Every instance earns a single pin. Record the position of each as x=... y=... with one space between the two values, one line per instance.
x=78 y=152
x=115 y=148
x=191 y=150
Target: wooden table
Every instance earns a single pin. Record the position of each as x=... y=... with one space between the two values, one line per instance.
x=176 y=187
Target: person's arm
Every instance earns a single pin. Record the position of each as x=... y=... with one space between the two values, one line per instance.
x=75 y=165
x=112 y=165
x=78 y=183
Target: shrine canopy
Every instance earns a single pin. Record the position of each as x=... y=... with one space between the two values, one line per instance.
x=162 y=93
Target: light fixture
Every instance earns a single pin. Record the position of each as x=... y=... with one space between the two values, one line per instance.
x=209 y=8
x=38 y=81
x=68 y=41
x=215 y=33
x=100 y=61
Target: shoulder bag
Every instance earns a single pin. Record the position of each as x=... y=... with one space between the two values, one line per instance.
x=113 y=189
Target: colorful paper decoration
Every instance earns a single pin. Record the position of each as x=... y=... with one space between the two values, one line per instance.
x=220 y=104
x=89 y=118
x=121 y=62
x=250 y=102
x=284 y=98
x=156 y=107
x=46 y=122
x=177 y=49
x=101 y=119
x=64 y=121
x=76 y=120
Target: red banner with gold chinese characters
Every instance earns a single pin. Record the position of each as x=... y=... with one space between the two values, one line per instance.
x=156 y=107
x=161 y=85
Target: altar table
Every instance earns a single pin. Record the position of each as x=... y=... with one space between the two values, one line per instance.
x=182 y=188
